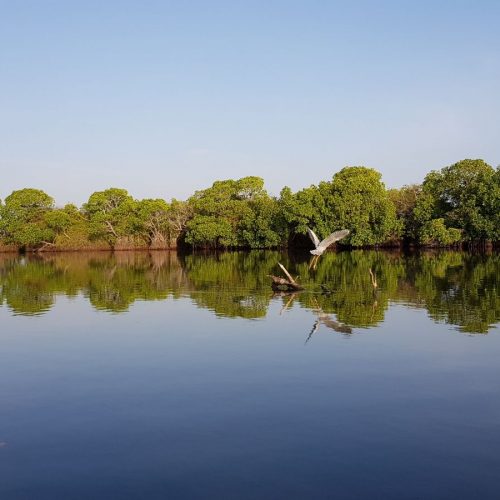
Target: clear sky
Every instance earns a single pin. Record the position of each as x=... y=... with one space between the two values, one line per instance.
x=162 y=98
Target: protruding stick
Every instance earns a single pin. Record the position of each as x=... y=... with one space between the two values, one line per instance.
x=288 y=275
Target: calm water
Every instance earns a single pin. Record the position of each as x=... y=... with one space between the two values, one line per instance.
x=162 y=376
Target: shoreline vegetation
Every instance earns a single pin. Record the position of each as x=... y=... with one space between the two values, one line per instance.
x=457 y=206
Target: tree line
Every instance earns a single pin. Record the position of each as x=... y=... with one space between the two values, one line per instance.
x=459 y=204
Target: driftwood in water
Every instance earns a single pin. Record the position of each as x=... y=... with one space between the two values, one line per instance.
x=284 y=284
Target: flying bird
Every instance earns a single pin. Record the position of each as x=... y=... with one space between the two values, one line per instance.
x=321 y=246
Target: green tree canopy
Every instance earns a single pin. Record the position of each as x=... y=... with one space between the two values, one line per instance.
x=111 y=214
x=23 y=218
x=358 y=201
x=152 y=221
x=465 y=195
x=233 y=213
x=459 y=203
x=405 y=201
x=354 y=199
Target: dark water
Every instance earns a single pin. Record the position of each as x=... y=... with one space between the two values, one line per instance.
x=161 y=376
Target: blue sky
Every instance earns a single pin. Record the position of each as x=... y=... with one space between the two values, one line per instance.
x=163 y=98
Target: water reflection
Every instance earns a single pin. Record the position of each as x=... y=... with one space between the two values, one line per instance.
x=346 y=290
x=328 y=321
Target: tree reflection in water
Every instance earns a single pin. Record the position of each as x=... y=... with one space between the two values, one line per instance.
x=457 y=288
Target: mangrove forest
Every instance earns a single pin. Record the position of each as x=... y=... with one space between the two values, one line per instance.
x=458 y=205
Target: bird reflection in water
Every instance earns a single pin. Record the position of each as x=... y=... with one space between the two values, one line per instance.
x=322 y=317
x=326 y=320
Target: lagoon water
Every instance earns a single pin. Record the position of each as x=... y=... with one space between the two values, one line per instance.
x=131 y=375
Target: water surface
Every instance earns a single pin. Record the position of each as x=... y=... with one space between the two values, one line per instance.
x=131 y=375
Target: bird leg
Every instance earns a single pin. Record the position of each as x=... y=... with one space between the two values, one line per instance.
x=314 y=261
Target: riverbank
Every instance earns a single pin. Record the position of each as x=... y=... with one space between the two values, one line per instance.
x=84 y=246
x=239 y=214
x=131 y=245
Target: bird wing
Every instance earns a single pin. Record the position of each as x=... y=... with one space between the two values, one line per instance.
x=313 y=237
x=336 y=236
x=335 y=325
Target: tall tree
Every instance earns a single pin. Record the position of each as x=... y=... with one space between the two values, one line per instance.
x=463 y=195
x=179 y=214
x=354 y=199
x=405 y=200
x=232 y=213
x=152 y=221
x=357 y=199
x=111 y=214
x=23 y=218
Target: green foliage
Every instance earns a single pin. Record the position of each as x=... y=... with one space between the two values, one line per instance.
x=73 y=230
x=23 y=218
x=233 y=213
x=211 y=231
x=424 y=211
x=435 y=233
x=465 y=195
x=152 y=222
x=304 y=209
x=28 y=201
x=179 y=214
x=491 y=208
x=355 y=199
x=358 y=201
x=460 y=203
x=259 y=227
x=111 y=215
x=405 y=201
x=60 y=220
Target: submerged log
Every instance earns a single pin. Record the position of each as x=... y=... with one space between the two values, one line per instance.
x=284 y=284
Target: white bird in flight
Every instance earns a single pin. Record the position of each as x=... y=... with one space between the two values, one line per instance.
x=321 y=246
